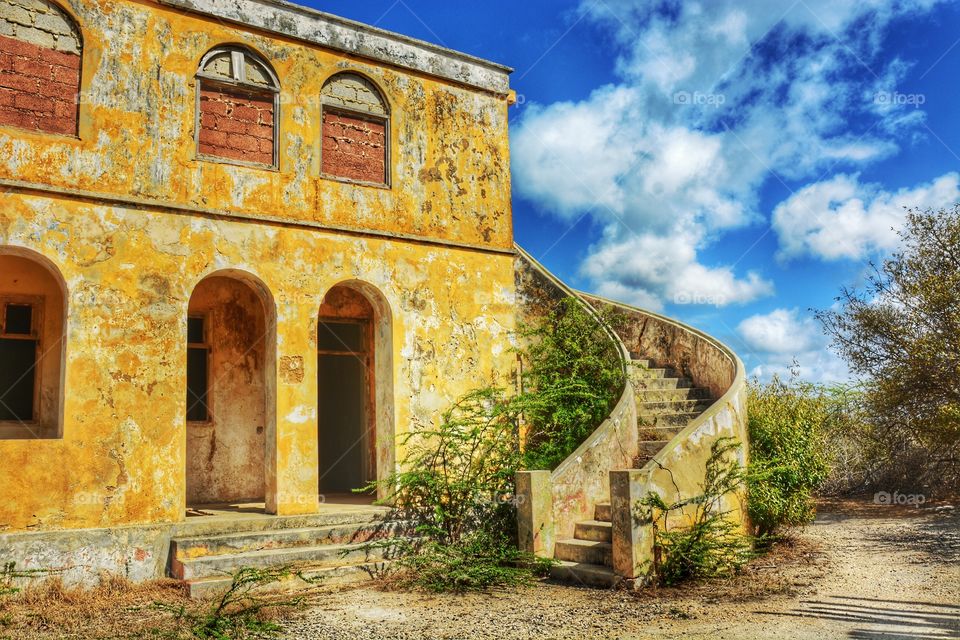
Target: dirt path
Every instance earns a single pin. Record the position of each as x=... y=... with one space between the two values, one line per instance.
x=860 y=571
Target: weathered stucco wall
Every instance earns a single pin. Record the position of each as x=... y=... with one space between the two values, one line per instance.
x=133 y=220
x=130 y=275
x=668 y=343
x=448 y=143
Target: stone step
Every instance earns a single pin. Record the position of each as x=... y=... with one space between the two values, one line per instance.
x=657 y=408
x=601 y=512
x=669 y=420
x=584 y=552
x=594 y=531
x=314 y=576
x=329 y=555
x=651 y=448
x=659 y=433
x=653 y=373
x=672 y=395
x=591 y=575
x=662 y=383
x=242 y=542
x=639 y=362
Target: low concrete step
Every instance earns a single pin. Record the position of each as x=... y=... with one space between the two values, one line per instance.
x=315 y=576
x=659 y=433
x=662 y=383
x=669 y=420
x=639 y=362
x=330 y=555
x=591 y=575
x=594 y=530
x=677 y=406
x=601 y=512
x=242 y=542
x=584 y=552
x=653 y=373
x=671 y=395
x=651 y=448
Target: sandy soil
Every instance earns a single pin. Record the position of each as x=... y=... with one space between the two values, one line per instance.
x=861 y=571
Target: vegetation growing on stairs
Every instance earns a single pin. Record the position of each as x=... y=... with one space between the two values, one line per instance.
x=457 y=486
x=708 y=543
x=573 y=377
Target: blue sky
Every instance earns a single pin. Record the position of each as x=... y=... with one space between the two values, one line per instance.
x=731 y=163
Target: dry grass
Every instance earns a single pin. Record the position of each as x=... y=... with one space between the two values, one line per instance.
x=114 y=609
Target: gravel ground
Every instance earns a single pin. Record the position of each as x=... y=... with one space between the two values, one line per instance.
x=860 y=571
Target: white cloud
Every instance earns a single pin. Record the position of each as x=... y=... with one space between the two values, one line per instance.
x=673 y=156
x=649 y=268
x=843 y=218
x=784 y=341
x=781 y=331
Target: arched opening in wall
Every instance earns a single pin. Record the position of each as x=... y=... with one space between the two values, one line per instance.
x=355 y=391
x=230 y=412
x=32 y=346
x=40 y=59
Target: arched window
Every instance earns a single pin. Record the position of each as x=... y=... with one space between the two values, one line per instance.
x=237 y=107
x=356 y=138
x=40 y=47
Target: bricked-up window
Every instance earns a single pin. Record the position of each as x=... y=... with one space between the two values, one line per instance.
x=355 y=130
x=237 y=107
x=40 y=49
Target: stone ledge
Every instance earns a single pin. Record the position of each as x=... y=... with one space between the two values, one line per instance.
x=337 y=33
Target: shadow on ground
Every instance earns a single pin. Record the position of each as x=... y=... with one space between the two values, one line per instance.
x=876 y=619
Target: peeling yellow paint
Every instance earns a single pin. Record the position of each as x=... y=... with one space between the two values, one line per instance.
x=130 y=271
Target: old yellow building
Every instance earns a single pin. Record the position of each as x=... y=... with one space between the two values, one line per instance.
x=244 y=248
x=245 y=198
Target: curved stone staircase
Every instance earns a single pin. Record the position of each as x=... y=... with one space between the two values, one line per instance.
x=684 y=390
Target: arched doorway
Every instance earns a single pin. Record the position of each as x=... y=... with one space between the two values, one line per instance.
x=355 y=404
x=230 y=339
x=32 y=346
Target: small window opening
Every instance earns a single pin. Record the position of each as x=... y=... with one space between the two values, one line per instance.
x=19 y=352
x=198 y=371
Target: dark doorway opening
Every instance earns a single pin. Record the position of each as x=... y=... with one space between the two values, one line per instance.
x=343 y=360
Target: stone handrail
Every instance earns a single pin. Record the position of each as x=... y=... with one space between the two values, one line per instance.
x=677 y=471
x=551 y=503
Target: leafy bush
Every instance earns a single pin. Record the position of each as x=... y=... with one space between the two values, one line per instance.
x=712 y=544
x=573 y=379
x=901 y=334
x=457 y=489
x=787 y=458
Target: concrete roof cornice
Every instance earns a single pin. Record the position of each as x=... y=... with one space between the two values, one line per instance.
x=340 y=34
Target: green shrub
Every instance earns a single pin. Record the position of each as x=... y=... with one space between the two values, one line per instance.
x=787 y=459
x=712 y=544
x=574 y=376
x=240 y=611
x=457 y=488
